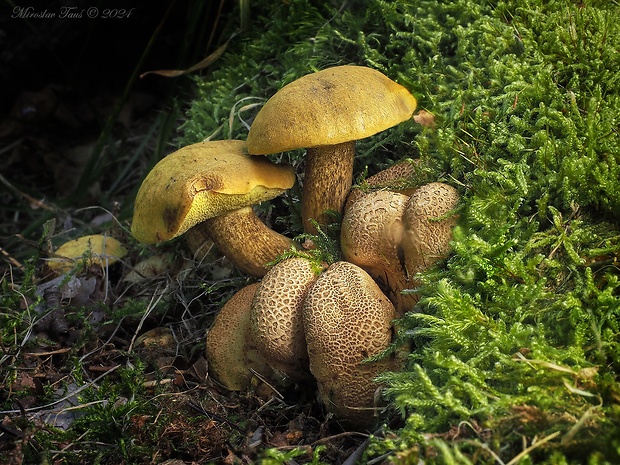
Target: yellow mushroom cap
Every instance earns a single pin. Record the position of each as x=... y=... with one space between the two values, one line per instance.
x=230 y=350
x=202 y=181
x=97 y=248
x=329 y=107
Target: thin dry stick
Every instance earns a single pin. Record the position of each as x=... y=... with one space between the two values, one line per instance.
x=28 y=198
x=327 y=439
x=13 y=261
x=527 y=450
x=357 y=453
x=148 y=311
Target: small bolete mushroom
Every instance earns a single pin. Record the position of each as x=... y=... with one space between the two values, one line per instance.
x=212 y=183
x=230 y=350
x=326 y=112
x=393 y=237
x=347 y=319
x=277 y=322
x=399 y=178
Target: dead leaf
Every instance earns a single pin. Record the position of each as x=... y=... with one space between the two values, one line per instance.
x=208 y=61
x=425 y=119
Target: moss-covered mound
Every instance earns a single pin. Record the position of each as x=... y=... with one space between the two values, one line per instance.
x=517 y=339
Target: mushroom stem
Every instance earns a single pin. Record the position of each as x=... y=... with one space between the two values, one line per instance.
x=328 y=177
x=246 y=240
x=199 y=242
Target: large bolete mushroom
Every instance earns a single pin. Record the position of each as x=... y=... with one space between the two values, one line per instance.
x=214 y=184
x=230 y=350
x=347 y=319
x=326 y=112
x=277 y=322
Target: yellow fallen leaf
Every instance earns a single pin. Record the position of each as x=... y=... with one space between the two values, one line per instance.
x=95 y=249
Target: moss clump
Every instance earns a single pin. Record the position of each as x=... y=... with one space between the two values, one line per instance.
x=517 y=339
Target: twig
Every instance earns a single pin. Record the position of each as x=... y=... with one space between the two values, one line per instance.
x=29 y=198
x=527 y=450
x=327 y=439
x=357 y=453
x=148 y=311
x=49 y=352
x=13 y=261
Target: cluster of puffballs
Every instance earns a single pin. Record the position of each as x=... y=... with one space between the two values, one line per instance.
x=304 y=321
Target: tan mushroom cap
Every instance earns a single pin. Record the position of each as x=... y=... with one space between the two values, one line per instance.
x=329 y=107
x=428 y=231
x=201 y=181
x=277 y=321
x=347 y=319
x=230 y=350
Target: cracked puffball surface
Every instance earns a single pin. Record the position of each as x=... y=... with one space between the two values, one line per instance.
x=347 y=319
x=230 y=350
x=370 y=237
x=393 y=237
x=276 y=317
x=427 y=229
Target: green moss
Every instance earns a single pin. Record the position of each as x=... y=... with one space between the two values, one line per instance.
x=517 y=333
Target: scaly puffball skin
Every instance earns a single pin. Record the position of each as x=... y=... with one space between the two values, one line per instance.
x=347 y=319
x=426 y=238
x=230 y=350
x=370 y=237
x=276 y=317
